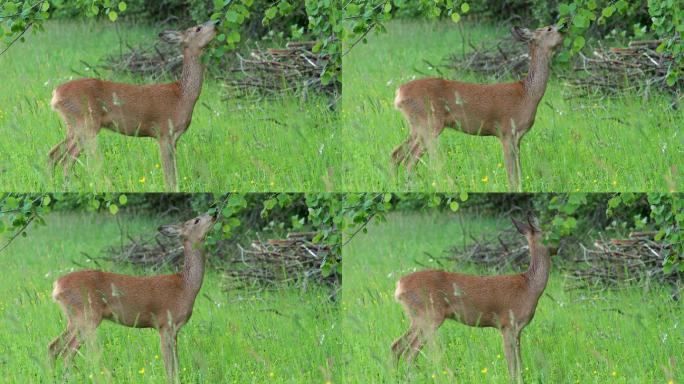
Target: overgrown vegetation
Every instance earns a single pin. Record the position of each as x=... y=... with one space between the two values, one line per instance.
x=576 y=336
x=281 y=336
x=577 y=144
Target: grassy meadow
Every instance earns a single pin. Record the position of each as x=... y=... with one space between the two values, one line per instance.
x=624 y=144
x=626 y=336
x=277 y=145
x=280 y=337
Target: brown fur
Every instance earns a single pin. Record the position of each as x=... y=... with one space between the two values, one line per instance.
x=161 y=111
x=506 y=110
x=163 y=302
x=505 y=302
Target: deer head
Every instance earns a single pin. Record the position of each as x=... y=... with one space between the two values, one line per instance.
x=547 y=38
x=194 y=38
x=529 y=227
x=193 y=229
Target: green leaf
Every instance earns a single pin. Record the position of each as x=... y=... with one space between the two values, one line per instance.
x=455 y=17
x=123 y=199
x=608 y=11
x=122 y=6
x=233 y=37
x=45 y=6
x=271 y=12
x=465 y=7
x=270 y=203
x=578 y=44
x=453 y=206
x=463 y=196
x=113 y=15
x=113 y=209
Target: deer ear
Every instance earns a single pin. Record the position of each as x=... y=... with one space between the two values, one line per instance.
x=521 y=34
x=533 y=222
x=521 y=227
x=170 y=230
x=171 y=37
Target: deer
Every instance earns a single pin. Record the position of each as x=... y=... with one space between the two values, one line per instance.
x=505 y=302
x=163 y=302
x=505 y=110
x=161 y=111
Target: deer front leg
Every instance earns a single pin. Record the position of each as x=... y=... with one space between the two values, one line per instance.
x=512 y=161
x=511 y=342
x=167 y=150
x=170 y=353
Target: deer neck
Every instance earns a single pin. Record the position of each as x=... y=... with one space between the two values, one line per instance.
x=191 y=79
x=538 y=74
x=193 y=269
x=538 y=272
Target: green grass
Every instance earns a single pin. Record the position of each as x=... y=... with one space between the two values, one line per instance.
x=280 y=337
x=277 y=145
x=626 y=336
x=625 y=144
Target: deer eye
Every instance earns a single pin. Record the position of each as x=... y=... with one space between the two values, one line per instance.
x=548 y=29
x=196 y=221
x=198 y=29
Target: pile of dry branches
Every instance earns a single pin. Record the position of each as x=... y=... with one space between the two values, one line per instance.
x=638 y=66
x=609 y=262
x=501 y=59
x=274 y=71
x=508 y=248
x=155 y=252
x=614 y=261
x=266 y=72
x=149 y=61
x=267 y=264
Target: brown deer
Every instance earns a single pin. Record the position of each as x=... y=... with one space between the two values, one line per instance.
x=163 y=302
x=162 y=111
x=506 y=111
x=505 y=302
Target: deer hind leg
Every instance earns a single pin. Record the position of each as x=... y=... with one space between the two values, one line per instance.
x=402 y=151
x=426 y=328
x=84 y=326
x=167 y=150
x=56 y=155
x=425 y=139
x=169 y=349
x=82 y=135
x=402 y=344
x=60 y=343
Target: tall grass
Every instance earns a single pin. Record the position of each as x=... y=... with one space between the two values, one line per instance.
x=285 y=336
x=276 y=145
x=621 y=144
x=626 y=336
